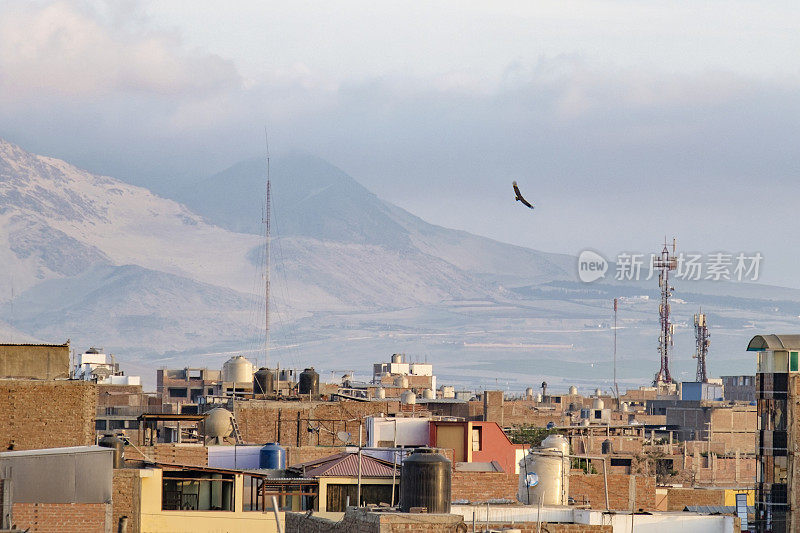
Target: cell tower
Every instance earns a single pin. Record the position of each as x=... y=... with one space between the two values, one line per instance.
x=267 y=242
x=665 y=263
x=701 y=336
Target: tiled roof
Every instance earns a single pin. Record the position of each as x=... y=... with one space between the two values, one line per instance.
x=346 y=465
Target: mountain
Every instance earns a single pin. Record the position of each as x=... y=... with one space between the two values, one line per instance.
x=354 y=278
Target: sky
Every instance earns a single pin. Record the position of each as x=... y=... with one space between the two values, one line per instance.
x=623 y=121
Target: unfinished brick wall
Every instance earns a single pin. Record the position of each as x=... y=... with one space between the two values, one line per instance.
x=303 y=454
x=362 y=521
x=174 y=453
x=61 y=517
x=483 y=486
x=120 y=395
x=46 y=414
x=258 y=420
x=533 y=527
x=623 y=491
x=126 y=498
x=679 y=498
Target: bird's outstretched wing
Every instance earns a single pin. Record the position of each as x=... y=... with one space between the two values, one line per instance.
x=519 y=197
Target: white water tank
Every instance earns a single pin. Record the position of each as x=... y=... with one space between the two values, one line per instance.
x=408 y=398
x=428 y=394
x=573 y=390
x=544 y=473
x=529 y=393
x=218 y=425
x=598 y=392
x=597 y=403
x=380 y=393
x=397 y=358
x=625 y=407
x=237 y=369
x=401 y=381
x=539 y=398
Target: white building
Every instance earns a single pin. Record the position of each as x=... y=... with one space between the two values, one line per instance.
x=93 y=365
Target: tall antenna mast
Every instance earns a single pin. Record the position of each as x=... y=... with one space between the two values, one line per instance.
x=616 y=387
x=266 y=221
x=701 y=337
x=665 y=263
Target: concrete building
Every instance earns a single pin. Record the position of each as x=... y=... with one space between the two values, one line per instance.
x=186 y=385
x=777 y=392
x=740 y=388
x=412 y=375
x=94 y=365
x=34 y=361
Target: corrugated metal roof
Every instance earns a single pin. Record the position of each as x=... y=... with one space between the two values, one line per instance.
x=716 y=509
x=57 y=451
x=774 y=342
x=346 y=465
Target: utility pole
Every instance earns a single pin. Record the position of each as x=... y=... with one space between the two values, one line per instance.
x=616 y=387
x=702 y=341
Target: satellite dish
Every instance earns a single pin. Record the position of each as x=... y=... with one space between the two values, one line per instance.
x=343 y=436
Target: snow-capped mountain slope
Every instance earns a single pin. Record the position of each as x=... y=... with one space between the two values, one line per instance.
x=58 y=220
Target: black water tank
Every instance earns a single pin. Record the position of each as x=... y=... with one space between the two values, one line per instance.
x=425 y=482
x=110 y=441
x=607 y=446
x=309 y=382
x=263 y=381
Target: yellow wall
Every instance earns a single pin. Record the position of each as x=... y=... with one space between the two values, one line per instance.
x=324 y=481
x=153 y=519
x=730 y=496
x=453 y=437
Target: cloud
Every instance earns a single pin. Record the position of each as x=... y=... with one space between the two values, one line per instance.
x=67 y=49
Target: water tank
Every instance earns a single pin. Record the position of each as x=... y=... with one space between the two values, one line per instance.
x=309 y=382
x=408 y=398
x=607 y=446
x=381 y=393
x=401 y=381
x=544 y=473
x=597 y=403
x=573 y=390
x=264 y=381
x=598 y=392
x=397 y=358
x=529 y=393
x=539 y=398
x=448 y=391
x=218 y=424
x=237 y=369
x=272 y=455
x=428 y=394
x=425 y=482
x=625 y=407
x=111 y=441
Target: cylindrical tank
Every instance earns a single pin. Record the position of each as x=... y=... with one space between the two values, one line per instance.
x=529 y=393
x=263 y=381
x=597 y=403
x=544 y=473
x=111 y=441
x=597 y=392
x=425 y=482
x=309 y=382
x=218 y=424
x=401 y=381
x=625 y=407
x=573 y=390
x=408 y=398
x=607 y=446
x=428 y=394
x=539 y=398
x=272 y=455
x=397 y=358
x=237 y=369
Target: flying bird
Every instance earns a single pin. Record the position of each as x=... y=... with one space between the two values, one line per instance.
x=519 y=196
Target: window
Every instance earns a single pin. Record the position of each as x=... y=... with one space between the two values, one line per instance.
x=793 y=361
x=178 y=392
x=197 y=491
x=100 y=425
x=476 y=439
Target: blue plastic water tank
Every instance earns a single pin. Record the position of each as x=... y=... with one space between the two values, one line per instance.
x=272 y=455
